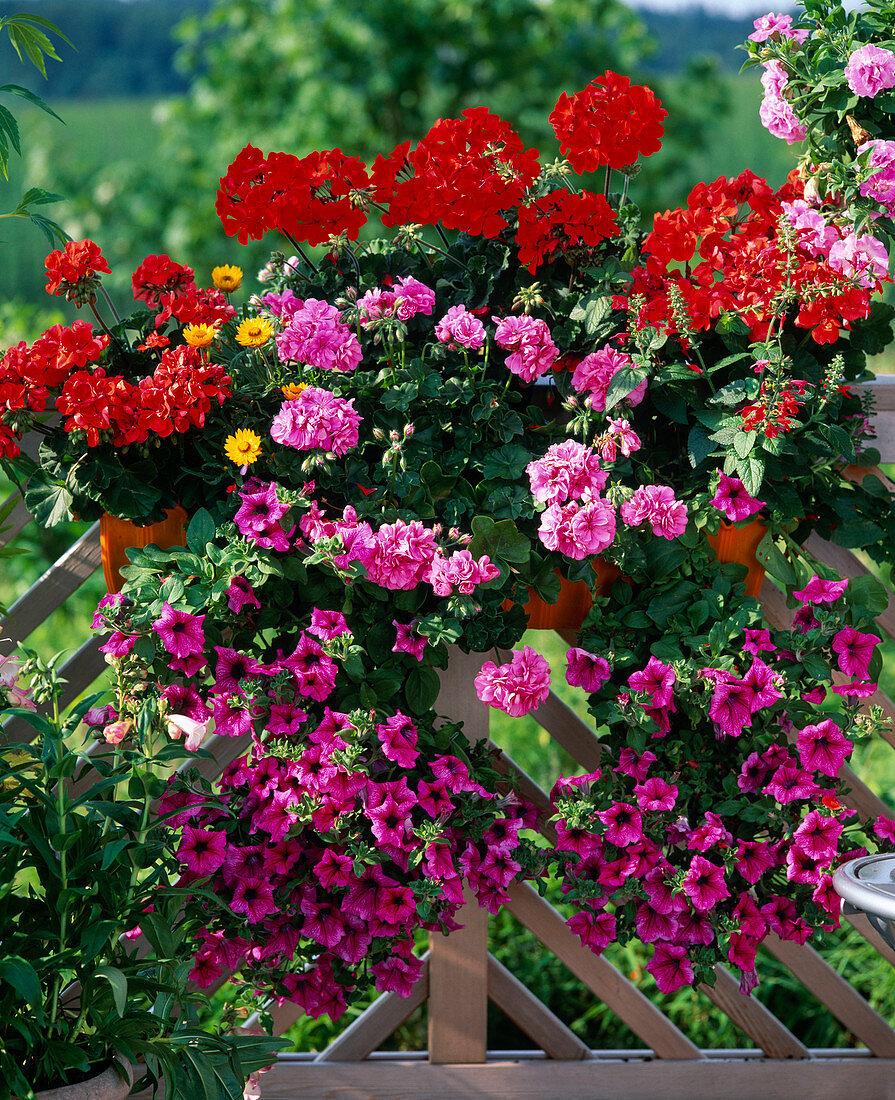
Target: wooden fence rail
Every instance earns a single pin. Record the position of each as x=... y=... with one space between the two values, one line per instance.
x=459 y=976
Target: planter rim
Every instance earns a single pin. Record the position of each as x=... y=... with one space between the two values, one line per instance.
x=108 y=1085
x=868 y=883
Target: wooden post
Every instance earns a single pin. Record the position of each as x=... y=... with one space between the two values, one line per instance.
x=458 y=963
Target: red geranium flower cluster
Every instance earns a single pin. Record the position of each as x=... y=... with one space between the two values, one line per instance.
x=26 y=374
x=732 y=226
x=308 y=198
x=73 y=270
x=174 y=398
x=611 y=122
x=562 y=220
x=463 y=173
x=171 y=288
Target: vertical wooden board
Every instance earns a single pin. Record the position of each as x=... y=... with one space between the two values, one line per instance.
x=458 y=989
x=457 y=698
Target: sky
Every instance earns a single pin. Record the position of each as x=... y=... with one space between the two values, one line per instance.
x=733 y=8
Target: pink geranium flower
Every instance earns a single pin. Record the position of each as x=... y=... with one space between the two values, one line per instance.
x=870 y=70
x=459 y=326
x=595 y=372
x=517 y=687
x=733 y=500
x=533 y=352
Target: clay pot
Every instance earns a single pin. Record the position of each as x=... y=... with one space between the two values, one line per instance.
x=116 y=535
x=739 y=544
x=108 y=1085
x=569 y=611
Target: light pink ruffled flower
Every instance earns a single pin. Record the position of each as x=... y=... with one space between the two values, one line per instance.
x=459 y=326
x=870 y=70
x=814 y=233
x=863 y=258
x=459 y=573
x=578 y=530
x=316 y=336
x=528 y=339
x=881 y=185
x=657 y=505
x=568 y=470
x=413 y=297
x=317 y=420
x=767 y=26
x=779 y=119
x=517 y=687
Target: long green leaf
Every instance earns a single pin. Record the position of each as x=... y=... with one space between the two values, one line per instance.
x=118 y=982
x=24 y=93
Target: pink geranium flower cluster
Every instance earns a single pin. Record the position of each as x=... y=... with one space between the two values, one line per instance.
x=532 y=351
x=460 y=327
x=594 y=373
x=517 y=687
x=881 y=163
x=568 y=471
x=316 y=336
x=656 y=505
x=404 y=300
x=317 y=420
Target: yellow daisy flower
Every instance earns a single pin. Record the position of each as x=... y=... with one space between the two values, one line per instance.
x=253 y=332
x=227 y=278
x=292 y=389
x=243 y=447
x=199 y=336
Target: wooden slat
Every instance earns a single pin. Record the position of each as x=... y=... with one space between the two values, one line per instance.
x=832 y=990
x=567 y=729
x=882 y=388
x=860 y=923
x=458 y=989
x=533 y=1016
x=623 y=998
x=64 y=577
x=752 y=1018
x=847 y=565
x=377 y=1022
x=707 y=1079
x=16 y=521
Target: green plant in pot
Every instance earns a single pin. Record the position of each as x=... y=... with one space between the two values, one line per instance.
x=94 y=946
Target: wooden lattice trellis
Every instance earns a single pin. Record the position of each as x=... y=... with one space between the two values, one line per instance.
x=460 y=976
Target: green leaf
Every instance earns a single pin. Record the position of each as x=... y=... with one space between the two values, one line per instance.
x=743 y=442
x=118 y=982
x=507 y=462
x=593 y=313
x=700 y=445
x=200 y=531
x=421 y=688
x=867 y=592
x=623 y=382
x=499 y=540
x=23 y=978
x=49 y=503
x=751 y=472
x=774 y=561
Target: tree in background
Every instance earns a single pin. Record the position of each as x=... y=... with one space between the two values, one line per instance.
x=298 y=75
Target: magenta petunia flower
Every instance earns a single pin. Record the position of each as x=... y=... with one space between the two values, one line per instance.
x=818 y=590
x=655 y=794
x=733 y=500
x=231 y=668
x=254 y=900
x=624 y=824
x=398 y=738
x=758 y=641
x=870 y=70
x=759 y=682
x=823 y=747
x=241 y=593
x=202 y=851
x=182 y=634
x=790 y=784
x=753 y=858
x=586 y=670
x=326 y=624
x=856 y=689
x=595 y=930
x=818 y=836
x=656 y=680
x=671 y=967
x=408 y=642
x=704 y=883
x=855 y=650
